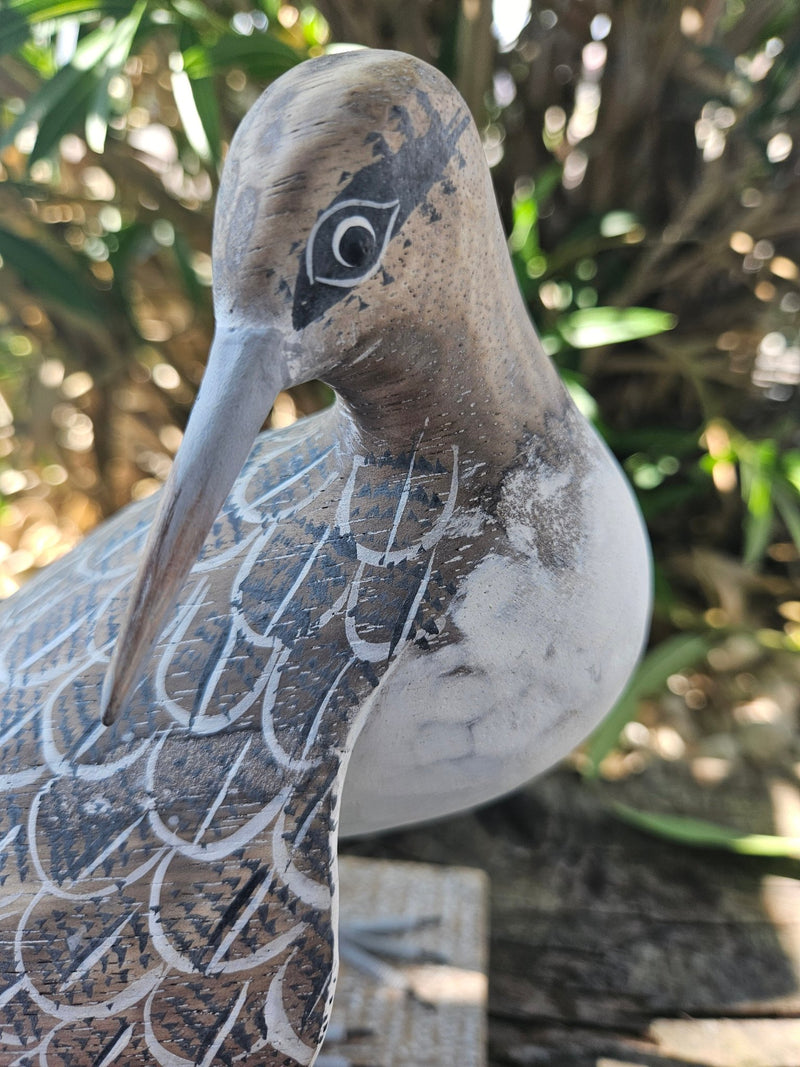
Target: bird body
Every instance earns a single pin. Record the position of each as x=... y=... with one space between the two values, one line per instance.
x=444 y=575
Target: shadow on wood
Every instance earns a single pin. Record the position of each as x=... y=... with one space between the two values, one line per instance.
x=610 y=947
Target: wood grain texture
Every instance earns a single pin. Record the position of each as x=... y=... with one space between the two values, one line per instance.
x=445 y=1022
x=609 y=946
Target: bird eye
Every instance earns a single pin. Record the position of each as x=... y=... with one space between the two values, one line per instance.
x=348 y=240
x=353 y=241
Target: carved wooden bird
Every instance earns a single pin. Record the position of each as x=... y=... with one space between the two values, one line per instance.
x=447 y=558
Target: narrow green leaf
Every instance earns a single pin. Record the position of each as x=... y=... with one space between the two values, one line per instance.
x=665 y=659
x=191 y=119
x=261 y=56
x=581 y=397
x=592 y=327
x=183 y=256
x=757 y=532
x=196 y=14
x=791 y=468
x=65 y=115
x=207 y=105
x=40 y=10
x=761 y=461
x=198 y=62
x=757 y=465
x=57 y=88
x=17 y=16
x=14 y=32
x=66 y=93
x=48 y=277
x=131 y=239
x=789 y=510
x=40 y=58
x=123 y=35
x=96 y=123
x=526 y=213
x=701 y=834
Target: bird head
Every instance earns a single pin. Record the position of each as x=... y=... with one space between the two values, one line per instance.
x=332 y=186
x=348 y=193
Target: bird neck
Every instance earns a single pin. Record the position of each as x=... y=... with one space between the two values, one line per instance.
x=480 y=381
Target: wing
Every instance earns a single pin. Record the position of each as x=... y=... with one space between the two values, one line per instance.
x=167 y=886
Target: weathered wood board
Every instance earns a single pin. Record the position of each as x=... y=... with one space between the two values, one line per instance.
x=444 y=1022
x=610 y=947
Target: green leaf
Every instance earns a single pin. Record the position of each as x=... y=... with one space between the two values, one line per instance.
x=14 y=32
x=757 y=464
x=592 y=327
x=42 y=10
x=791 y=468
x=131 y=239
x=526 y=213
x=757 y=532
x=665 y=659
x=196 y=14
x=96 y=123
x=191 y=119
x=183 y=256
x=66 y=114
x=48 y=277
x=123 y=34
x=57 y=90
x=701 y=834
x=195 y=99
x=758 y=461
x=60 y=101
x=789 y=511
x=207 y=107
x=581 y=397
x=79 y=91
x=16 y=18
x=261 y=56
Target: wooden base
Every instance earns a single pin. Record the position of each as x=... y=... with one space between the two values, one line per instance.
x=444 y=1021
x=610 y=947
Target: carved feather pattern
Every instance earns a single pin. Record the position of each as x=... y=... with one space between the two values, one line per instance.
x=168 y=886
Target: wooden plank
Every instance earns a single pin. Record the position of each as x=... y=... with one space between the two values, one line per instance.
x=730 y=1042
x=611 y=944
x=444 y=1022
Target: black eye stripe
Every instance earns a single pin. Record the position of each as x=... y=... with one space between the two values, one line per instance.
x=397 y=180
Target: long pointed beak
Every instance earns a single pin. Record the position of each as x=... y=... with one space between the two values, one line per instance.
x=246 y=369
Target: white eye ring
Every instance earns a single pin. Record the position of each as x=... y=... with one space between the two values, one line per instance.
x=391 y=206
x=354 y=221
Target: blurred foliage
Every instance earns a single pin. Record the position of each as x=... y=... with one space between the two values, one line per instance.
x=116 y=119
x=646 y=158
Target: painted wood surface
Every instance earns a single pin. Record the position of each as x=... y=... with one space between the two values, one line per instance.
x=171 y=880
x=445 y=570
